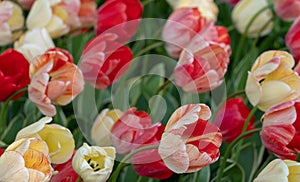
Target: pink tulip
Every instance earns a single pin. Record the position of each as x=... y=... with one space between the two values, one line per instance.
x=189 y=142
x=55 y=80
x=203 y=69
x=232 y=2
x=187 y=24
x=292 y=39
x=287 y=10
x=281 y=129
x=104 y=60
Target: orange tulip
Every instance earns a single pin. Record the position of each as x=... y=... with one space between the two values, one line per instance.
x=55 y=79
x=189 y=142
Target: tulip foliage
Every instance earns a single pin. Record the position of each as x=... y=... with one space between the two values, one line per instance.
x=146 y=90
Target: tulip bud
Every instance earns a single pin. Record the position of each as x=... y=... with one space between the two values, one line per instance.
x=58 y=138
x=26 y=160
x=287 y=10
x=94 y=163
x=101 y=129
x=243 y=13
x=292 y=39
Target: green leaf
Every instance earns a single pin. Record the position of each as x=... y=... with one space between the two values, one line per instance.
x=203 y=175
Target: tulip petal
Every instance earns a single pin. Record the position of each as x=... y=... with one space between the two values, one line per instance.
x=33 y=128
x=39 y=15
x=173 y=152
x=253 y=89
x=275 y=171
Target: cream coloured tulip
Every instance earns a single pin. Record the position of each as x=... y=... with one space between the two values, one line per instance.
x=272 y=80
x=26 y=160
x=33 y=43
x=101 y=129
x=58 y=138
x=11 y=22
x=243 y=13
x=94 y=163
x=207 y=8
x=280 y=171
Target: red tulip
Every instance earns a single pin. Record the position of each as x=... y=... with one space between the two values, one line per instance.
x=65 y=172
x=132 y=130
x=287 y=10
x=14 y=73
x=203 y=69
x=280 y=132
x=292 y=39
x=232 y=2
x=1 y=151
x=187 y=24
x=149 y=163
x=115 y=16
x=231 y=119
x=189 y=142
x=104 y=60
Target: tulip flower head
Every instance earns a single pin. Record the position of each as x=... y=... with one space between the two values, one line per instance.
x=58 y=138
x=280 y=171
x=206 y=7
x=243 y=13
x=11 y=22
x=231 y=119
x=189 y=142
x=55 y=79
x=14 y=73
x=272 y=80
x=26 y=159
x=94 y=163
x=281 y=128
x=120 y=17
x=287 y=10
x=104 y=60
x=33 y=43
x=292 y=39
x=101 y=130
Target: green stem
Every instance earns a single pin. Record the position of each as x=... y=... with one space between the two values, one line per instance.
x=228 y=151
x=243 y=38
x=236 y=93
x=146 y=2
x=166 y=83
x=79 y=179
x=124 y=161
x=3 y=112
x=152 y=46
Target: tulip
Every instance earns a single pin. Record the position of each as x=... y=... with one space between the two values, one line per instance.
x=189 y=142
x=203 y=69
x=231 y=119
x=186 y=27
x=54 y=79
x=1 y=152
x=58 y=138
x=11 y=22
x=94 y=163
x=280 y=132
x=280 y=171
x=14 y=73
x=26 y=160
x=231 y=2
x=148 y=162
x=26 y=4
x=243 y=13
x=207 y=8
x=104 y=60
x=271 y=71
x=87 y=12
x=292 y=39
x=33 y=43
x=120 y=17
x=287 y=10
x=64 y=172
x=131 y=130
x=101 y=129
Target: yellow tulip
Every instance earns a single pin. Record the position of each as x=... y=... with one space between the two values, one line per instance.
x=26 y=160
x=272 y=80
x=207 y=8
x=245 y=10
x=58 y=138
x=101 y=128
x=94 y=163
x=280 y=171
